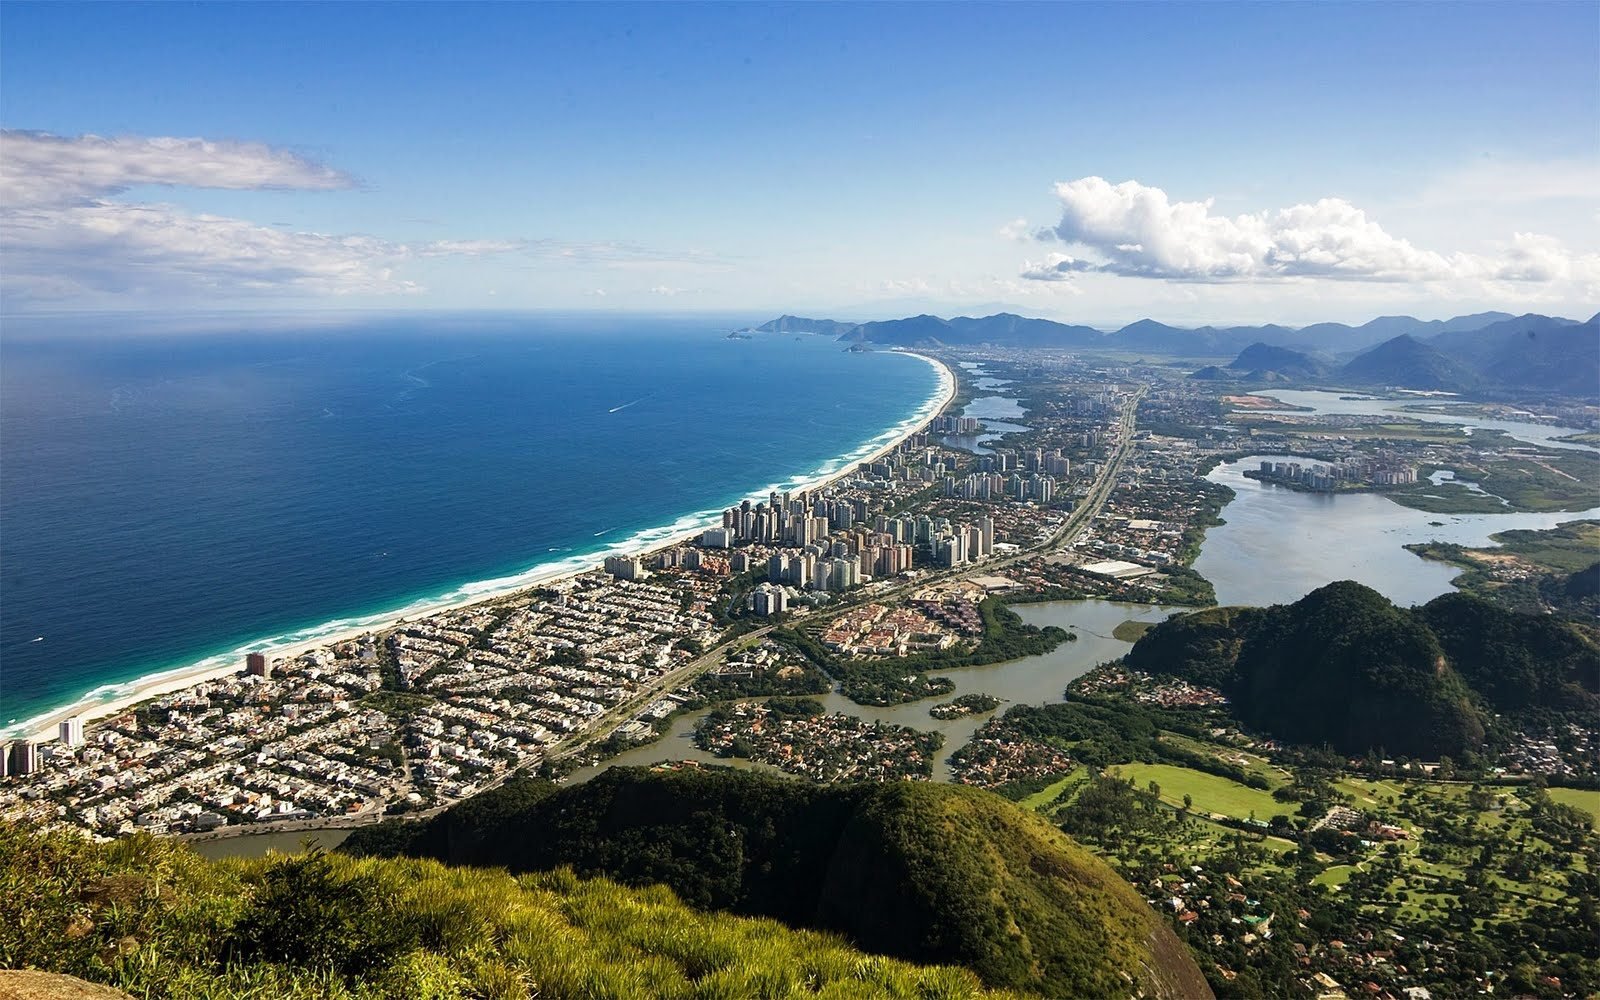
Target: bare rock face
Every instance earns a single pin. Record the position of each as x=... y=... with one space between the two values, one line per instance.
x=30 y=985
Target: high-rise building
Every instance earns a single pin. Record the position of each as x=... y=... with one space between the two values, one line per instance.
x=716 y=538
x=71 y=732
x=24 y=757
x=626 y=567
x=769 y=599
x=256 y=665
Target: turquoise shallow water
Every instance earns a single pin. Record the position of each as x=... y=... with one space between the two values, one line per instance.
x=168 y=499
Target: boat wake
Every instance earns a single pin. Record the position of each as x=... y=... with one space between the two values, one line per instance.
x=624 y=406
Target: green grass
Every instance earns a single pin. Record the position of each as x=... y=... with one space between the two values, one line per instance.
x=1250 y=762
x=1131 y=631
x=1588 y=801
x=1567 y=548
x=1047 y=795
x=1369 y=793
x=155 y=919
x=1209 y=792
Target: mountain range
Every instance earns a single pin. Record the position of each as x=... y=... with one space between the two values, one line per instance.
x=1491 y=351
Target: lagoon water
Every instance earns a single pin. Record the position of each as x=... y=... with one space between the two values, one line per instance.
x=1280 y=544
x=170 y=499
x=1032 y=680
x=1322 y=401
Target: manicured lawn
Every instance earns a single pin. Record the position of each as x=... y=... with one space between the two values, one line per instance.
x=1369 y=793
x=1251 y=763
x=1588 y=801
x=1047 y=795
x=1210 y=793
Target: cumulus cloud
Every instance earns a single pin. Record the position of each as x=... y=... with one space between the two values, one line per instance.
x=1134 y=230
x=1057 y=267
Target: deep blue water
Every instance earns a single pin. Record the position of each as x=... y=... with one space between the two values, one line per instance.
x=165 y=499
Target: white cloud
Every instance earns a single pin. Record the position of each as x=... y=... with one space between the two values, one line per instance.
x=1017 y=231
x=1056 y=267
x=1133 y=230
x=38 y=168
x=67 y=232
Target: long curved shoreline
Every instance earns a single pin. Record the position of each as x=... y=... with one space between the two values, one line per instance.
x=110 y=699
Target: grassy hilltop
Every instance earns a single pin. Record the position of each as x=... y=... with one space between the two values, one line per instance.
x=156 y=919
x=920 y=871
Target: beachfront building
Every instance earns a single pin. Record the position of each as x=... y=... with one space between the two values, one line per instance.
x=71 y=731
x=626 y=567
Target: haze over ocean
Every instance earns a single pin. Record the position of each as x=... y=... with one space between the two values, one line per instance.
x=172 y=498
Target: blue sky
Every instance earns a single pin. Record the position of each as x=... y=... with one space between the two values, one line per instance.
x=1285 y=162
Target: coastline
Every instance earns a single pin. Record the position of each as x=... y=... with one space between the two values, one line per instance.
x=113 y=699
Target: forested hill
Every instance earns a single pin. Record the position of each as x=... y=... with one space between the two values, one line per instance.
x=1346 y=667
x=919 y=871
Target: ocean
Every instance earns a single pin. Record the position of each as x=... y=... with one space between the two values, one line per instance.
x=170 y=499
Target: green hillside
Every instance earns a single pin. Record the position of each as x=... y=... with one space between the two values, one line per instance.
x=1531 y=667
x=1405 y=361
x=920 y=871
x=153 y=918
x=1345 y=667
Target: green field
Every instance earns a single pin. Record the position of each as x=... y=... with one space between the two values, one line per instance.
x=1588 y=801
x=1251 y=763
x=1047 y=795
x=1210 y=793
x=1131 y=631
x=1567 y=548
x=1368 y=793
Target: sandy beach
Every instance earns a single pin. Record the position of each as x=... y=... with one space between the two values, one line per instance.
x=114 y=699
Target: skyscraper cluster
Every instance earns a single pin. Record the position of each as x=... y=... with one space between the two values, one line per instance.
x=955 y=425
x=961 y=543
x=995 y=486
